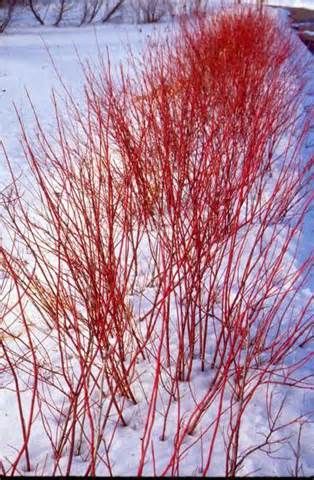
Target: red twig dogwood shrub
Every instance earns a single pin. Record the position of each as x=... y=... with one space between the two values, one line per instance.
x=198 y=130
x=165 y=240
x=199 y=127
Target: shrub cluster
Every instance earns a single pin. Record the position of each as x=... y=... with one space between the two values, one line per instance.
x=163 y=246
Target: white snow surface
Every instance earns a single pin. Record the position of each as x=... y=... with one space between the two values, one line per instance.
x=26 y=67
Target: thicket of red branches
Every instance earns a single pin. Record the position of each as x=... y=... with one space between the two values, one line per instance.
x=163 y=235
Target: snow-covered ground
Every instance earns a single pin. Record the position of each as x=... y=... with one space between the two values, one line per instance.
x=26 y=66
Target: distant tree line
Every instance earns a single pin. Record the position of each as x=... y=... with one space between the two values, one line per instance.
x=102 y=11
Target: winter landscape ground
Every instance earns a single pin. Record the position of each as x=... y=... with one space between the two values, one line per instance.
x=156 y=255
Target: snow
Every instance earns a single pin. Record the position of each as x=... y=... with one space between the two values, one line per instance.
x=26 y=67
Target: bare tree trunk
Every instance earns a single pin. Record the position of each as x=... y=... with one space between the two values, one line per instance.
x=150 y=11
x=90 y=10
x=113 y=10
x=85 y=12
x=8 y=18
x=62 y=9
x=95 y=9
x=35 y=13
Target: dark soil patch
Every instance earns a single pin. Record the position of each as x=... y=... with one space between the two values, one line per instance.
x=301 y=15
x=308 y=40
x=302 y=20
